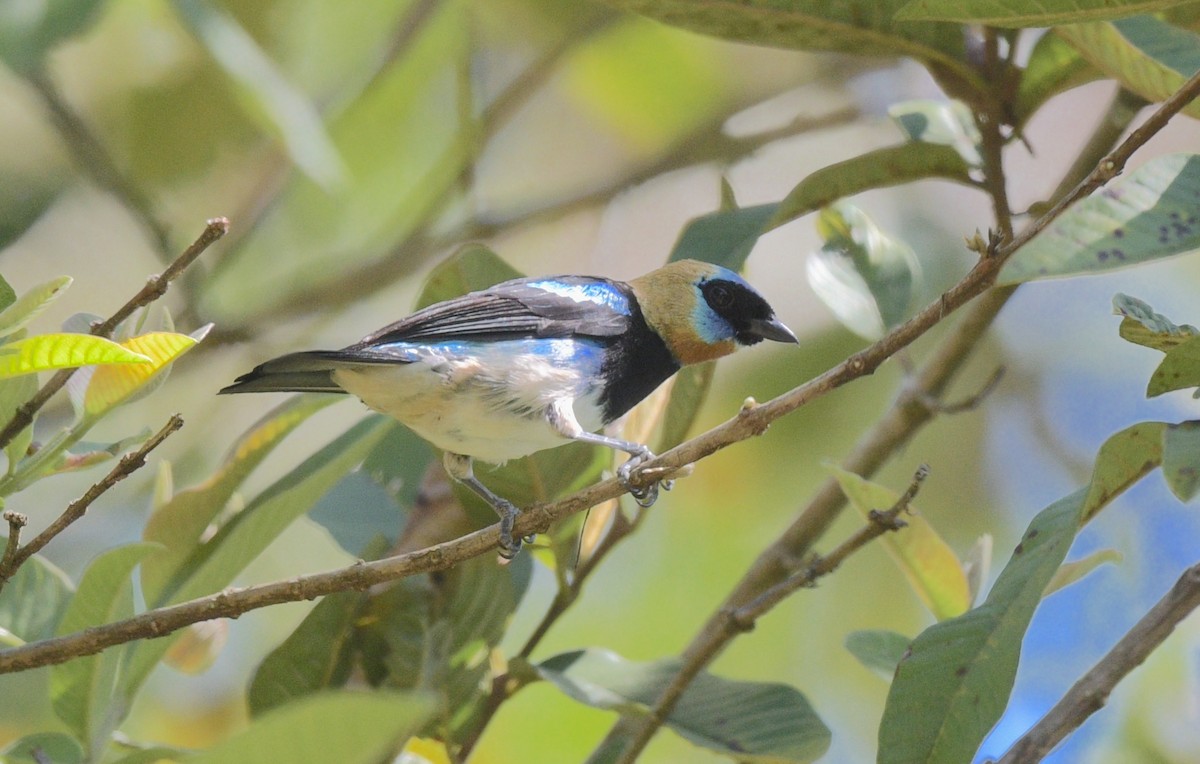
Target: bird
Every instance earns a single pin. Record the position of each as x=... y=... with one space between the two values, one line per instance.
x=534 y=363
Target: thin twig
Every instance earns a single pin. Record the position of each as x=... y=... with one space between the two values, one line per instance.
x=879 y=522
x=128 y=464
x=632 y=734
x=16 y=521
x=1091 y=692
x=155 y=288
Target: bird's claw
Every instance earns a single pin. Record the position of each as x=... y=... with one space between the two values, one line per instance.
x=510 y=545
x=646 y=495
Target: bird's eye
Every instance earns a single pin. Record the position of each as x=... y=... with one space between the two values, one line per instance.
x=720 y=297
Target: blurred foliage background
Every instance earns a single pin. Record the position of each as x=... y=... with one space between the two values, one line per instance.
x=355 y=149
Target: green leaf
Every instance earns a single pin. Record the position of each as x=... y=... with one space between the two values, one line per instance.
x=879 y=650
x=1070 y=572
x=436 y=633
x=880 y=168
x=346 y=727
x=1178 y=370
x=43 y=352
x=17 y=315
x=358 y=510
x=954 y=683
x=1142 y=326
x=1054 y=66
x=29 y=30
x=1181 y=459
x=1145 y=54
x=312 y=658
x=940 y=123
x=43 y=747
x=724 y=238
x=471 y=268
x=1026 y=13
x=110 y=386
x=856 y=27
x=34 y=599
x=867 y=278
x=14 y=392
x=82 y=690
x=281 y=107
x=7 y=294
x=1123 y=460
x=1147 y=215
x=180 y=524
x=927 y=562
x=215 y=563
x=749 y=721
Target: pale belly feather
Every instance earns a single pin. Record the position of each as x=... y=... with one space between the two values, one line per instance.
x=491 y=408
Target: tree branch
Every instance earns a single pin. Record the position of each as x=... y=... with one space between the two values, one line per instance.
x=155 y=288
x=631 y=734
x=1091 y=692
x=129 y=463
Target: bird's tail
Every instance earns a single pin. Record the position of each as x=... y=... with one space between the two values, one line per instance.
x=307 y=372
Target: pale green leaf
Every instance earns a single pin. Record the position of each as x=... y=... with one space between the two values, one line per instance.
x=1142 y=326
x=1178 y=370
x=1026 y=13
x=41 y=748
x=346 y=727
x=14 y=392
x=215 y=563
x=941 y=123
x=43 y=352
x=927 y=562
x=1054 y=66
x=878 y=650
x=1145 y=54
x=954 y=683
x=34 y=599
x=280 y=106
x=7 y=294
x=17 y=315
x=180 y=524
x=1125 y=458
x=750 y=721
x=724 y=238
x=1181 y=459
x=1146 y=215
x=471 y=268
x=880 y=168
x=82 y=690
x=857 y=27
x=867 y=278
x=1070 y=572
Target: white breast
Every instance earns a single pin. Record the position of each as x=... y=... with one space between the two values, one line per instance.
x=490 y=405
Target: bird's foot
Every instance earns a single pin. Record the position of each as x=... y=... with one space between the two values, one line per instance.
x=646 y=495
x=509 y=545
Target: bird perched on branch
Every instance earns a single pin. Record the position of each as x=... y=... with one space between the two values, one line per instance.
x=533 y=363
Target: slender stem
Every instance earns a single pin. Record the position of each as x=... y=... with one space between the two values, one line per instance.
x=1091 y=692
x=155 y=288
x=16 y=521
x=128 y=464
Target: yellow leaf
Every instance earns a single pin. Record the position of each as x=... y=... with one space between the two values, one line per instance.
x=110 y=385
x=929 y=564
x=421 y=750
x=62 y=351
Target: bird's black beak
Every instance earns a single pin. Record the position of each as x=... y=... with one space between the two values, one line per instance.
x=772 y=329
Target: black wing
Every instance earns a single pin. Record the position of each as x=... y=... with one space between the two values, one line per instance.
x=560 y=306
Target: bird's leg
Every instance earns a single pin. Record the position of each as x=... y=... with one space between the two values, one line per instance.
x=562 y=419
x=459 y=468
